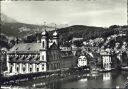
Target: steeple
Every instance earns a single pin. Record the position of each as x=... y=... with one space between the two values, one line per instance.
x=44 y=38
x=55 y=36
x=44 y=33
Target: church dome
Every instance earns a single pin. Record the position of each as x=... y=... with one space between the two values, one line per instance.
x=55 y=34
x=44 y=33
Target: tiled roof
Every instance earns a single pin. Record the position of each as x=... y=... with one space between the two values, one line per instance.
x=82 y=57
x=26 y=47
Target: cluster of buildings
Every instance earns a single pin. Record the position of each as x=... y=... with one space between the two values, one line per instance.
x=106 y=59
x=47 y=55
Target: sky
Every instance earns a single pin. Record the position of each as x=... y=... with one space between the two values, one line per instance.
x=73 y=12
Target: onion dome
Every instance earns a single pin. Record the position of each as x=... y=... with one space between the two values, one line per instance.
x=55 y=34
x=44 y=33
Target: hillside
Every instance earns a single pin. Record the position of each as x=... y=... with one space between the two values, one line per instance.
x=80 y=31
x=6 y=19
x=89 y=32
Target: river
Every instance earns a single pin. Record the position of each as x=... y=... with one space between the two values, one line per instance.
x=103 y=80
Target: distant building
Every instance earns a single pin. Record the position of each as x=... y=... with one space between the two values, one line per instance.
x=106 y=60
x=66 y=48
x=37 y=57
x=82 y=61
x=77 y=39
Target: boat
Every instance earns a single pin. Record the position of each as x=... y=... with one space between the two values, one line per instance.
x=94 y=73
x=124 y=68
x=5 y=87
x=104 y=70
x=39 y=85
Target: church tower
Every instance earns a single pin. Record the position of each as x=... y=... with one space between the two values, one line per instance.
x=43 y=51
x=44 y=40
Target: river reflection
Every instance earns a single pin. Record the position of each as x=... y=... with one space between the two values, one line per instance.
x=103 y=80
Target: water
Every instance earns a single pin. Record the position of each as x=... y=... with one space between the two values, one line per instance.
x=103 y=80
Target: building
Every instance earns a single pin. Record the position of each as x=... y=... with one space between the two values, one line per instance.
x=106 y=76
x=82 y=60
x=36 y=57
x=68 y=59
x=77 y=39
x=106 y=60
x=3 y=60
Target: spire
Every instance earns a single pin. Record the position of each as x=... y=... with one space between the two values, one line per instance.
x=55 y=27
x=55 y=33
x=44 y=33
x=44 y=25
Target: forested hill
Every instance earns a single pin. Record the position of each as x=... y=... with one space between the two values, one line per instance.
x=80 y=31
x=88 y=32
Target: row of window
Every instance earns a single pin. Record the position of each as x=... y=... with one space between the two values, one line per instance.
x=17 y=69
x=55 y=55
x=36 y=58
x=107 y=60
x=107 y=65
x=20 y=55
x=55 y=66
x=82 y=59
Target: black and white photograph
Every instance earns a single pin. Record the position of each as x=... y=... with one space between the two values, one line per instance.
x=64 y=44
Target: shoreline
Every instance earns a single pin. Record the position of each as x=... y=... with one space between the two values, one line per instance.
x=46 y=78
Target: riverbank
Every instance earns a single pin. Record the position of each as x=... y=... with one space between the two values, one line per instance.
x=43 y=79
x=44 y=76
x=110 y=80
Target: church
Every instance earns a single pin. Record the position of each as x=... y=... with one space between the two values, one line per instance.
x=44 y=55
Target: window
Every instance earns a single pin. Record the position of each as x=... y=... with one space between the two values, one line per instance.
x=11 y=69
x=42 y=66
x=43 y=44
x=28 y=48
x=11 y=64
x=37 y=69
x=104 y=65
x=24 y=68
x=30 y=69
x=17 y=69
x=16 y=48
x=43 y=57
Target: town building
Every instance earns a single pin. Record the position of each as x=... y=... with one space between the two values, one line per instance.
x=76 y=39
x=68 y=59
x=82 y=60
x=44 y=55
x=3 y=60
x=106 y=60
x=106 y=76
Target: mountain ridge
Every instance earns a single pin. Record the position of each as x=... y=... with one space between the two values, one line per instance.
x=7 y=19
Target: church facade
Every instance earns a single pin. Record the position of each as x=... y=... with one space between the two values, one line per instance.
x=36 y=57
